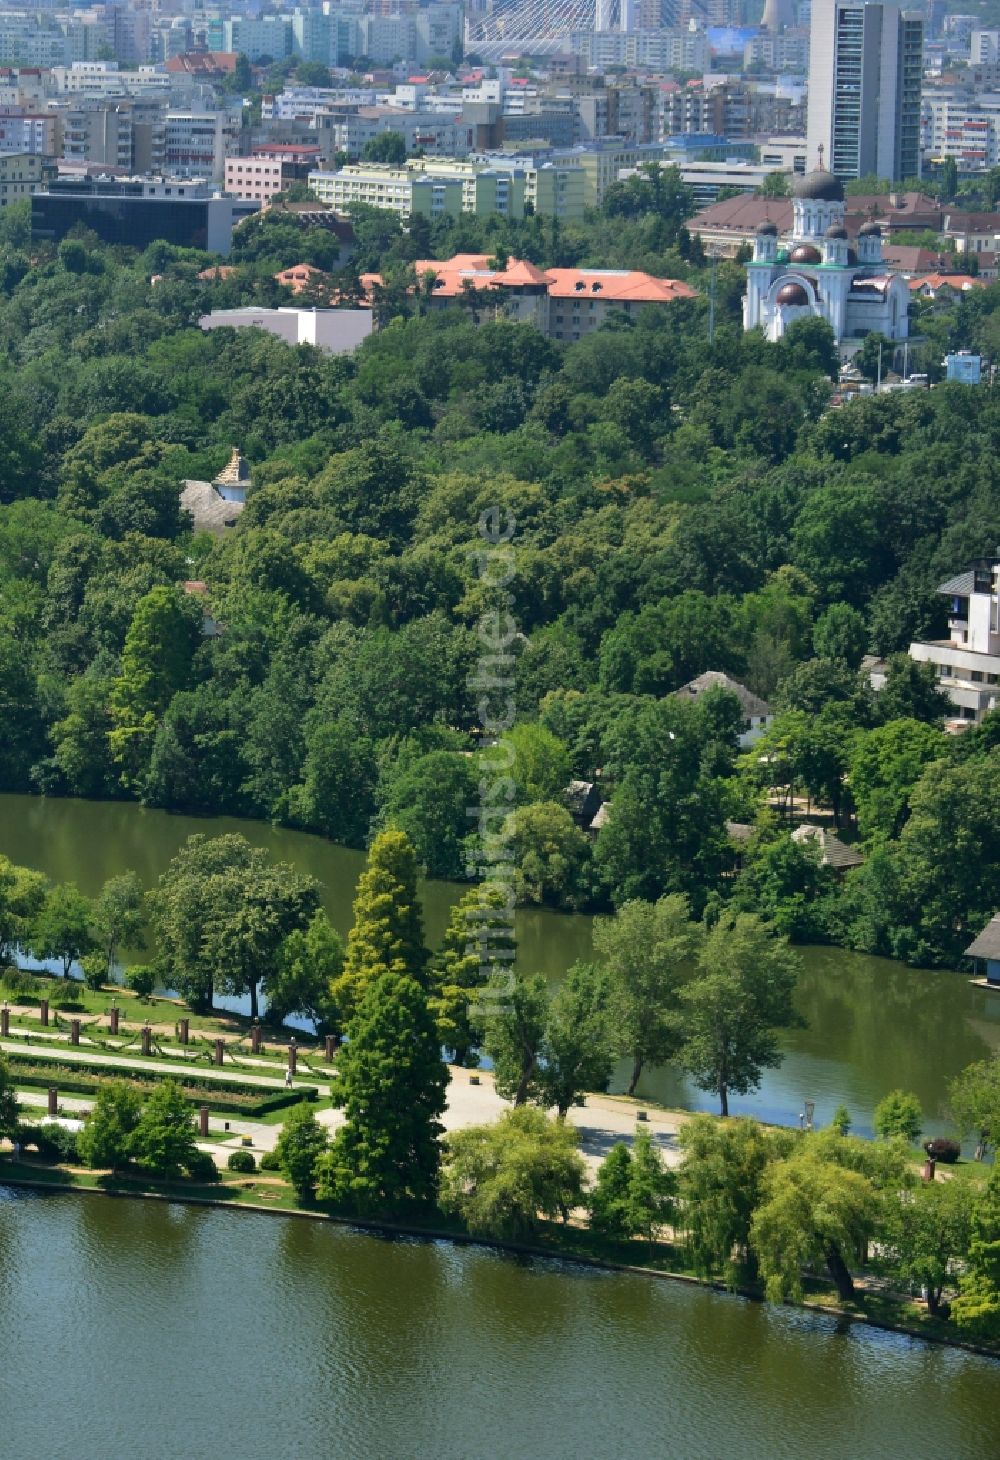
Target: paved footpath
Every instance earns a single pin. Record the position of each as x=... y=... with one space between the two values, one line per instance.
x=602 y=1121
x=78 y=1055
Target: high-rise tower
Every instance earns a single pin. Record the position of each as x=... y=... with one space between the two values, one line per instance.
x=865 y=69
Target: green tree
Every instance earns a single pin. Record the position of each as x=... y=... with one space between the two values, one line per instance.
x=106 y=1138
x=62 y=928
x=391 y=1087
x=649 y=1205
x=551 y=854
x=840 y=1120
x=720 y=1183
x=22 y=897
x=577 y=1052
x=387 y=935
x=94 y=967
x=811 y=1211
x=501 y=1179
x=301 y=1144
x=609 y=1199
x=841 y=633
x=976 y=1310
x=515 y=1036
x=541 y=767
x=163 y=1140
x=117 y=916
x=428 y=801
x=647 y=949
x=928 y=1236
x=309 y=962
x=9 y=1109
x=141 y=979
x=387 y=147
x=974 y=1102
x=898 y=1114
x=156 y=663
x=885 y=765
x=478 y=938
x=221 y=912
x=336 y=795
x=742 y=994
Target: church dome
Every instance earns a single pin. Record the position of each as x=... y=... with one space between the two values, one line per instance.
x=870 y=230
x=820 y=187
x=791 y=293
x=836 y=230
x=805 y=253
x=768 y=228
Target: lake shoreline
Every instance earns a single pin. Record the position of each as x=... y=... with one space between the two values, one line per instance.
x=554 y=1251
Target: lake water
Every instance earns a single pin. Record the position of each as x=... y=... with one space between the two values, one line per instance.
x=871 y=1025
x=143 y=1331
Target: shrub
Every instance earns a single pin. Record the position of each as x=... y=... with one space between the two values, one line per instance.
x=66 y=1000
x=201 y=1166
x=18 y=983
x=270 y=1161
x=52 y=1142
x=141 y=979
x=242 y=1161
x=944 y=1150
x=898 y=1115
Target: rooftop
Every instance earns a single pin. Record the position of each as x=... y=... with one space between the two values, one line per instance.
x=833 y=852
x=715 y=679
x=987 y=945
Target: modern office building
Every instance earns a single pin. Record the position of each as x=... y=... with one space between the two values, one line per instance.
x=137 y=213
x=865 y=69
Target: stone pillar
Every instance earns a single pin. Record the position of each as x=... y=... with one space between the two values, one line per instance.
x=53 y=1100
x=331 y=1048
x=113 y=1015
x=928 y=1170
x=147 y=1039
x=184 y=1029
x=256 y=1034
x=293 y=1056
x=220 y=1049
x=43 y=1013
x=203 y=1121
x=74 y=1031
x=4 y=1021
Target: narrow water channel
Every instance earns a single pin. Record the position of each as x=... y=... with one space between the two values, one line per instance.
x=871 y=1025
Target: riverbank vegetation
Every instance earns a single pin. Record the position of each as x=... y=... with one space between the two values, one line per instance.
x=679 y=507
x=766 y=1209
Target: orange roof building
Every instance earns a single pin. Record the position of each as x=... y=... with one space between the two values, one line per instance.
x=564 y=304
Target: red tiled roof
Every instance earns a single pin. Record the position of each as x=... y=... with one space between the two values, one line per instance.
x=218 y=271
x=616 y=284
x=958 y=282
x=456 y=274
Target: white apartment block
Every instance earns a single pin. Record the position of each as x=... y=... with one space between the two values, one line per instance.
x=964 y=127
x=967 y=663
x=103 y=78
x=197 y=143
x=661 y=50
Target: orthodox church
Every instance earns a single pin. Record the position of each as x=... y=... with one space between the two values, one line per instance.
x=819 y=272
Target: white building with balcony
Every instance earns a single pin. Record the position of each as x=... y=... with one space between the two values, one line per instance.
x=967 y=663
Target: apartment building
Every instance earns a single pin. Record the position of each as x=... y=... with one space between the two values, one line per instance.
x=967 y=663
x=21 y=175
x=431 y=188
x=197 y=143
x=269 y=170
x=128 y=133
x=36 y=132
x=963 y=126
